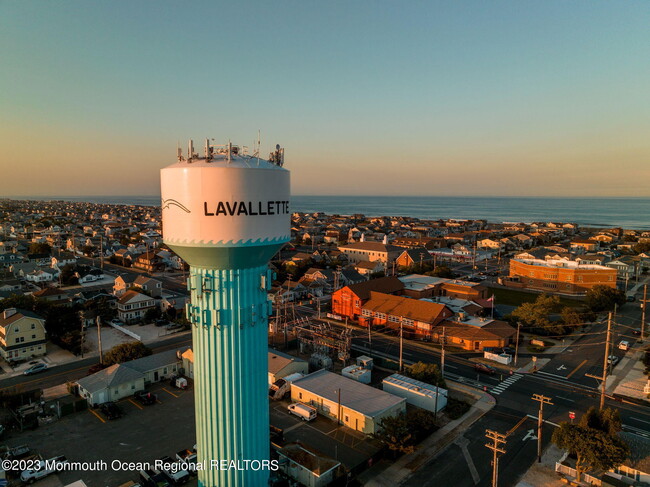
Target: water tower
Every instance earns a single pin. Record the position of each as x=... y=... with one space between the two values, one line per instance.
x=226 y=214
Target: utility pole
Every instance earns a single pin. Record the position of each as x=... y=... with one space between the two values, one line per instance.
x=101 y=252
x=603 y=389
x=338 y=418
x=401 y=345
x=517 y=342
x=82 y=317
x=497 y=440
x=99 y=339
x=443 y=341
x=540 y=421
x=645 y=301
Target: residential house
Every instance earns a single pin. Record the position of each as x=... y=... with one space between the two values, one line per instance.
x=282 y=365
x=149 y=262
x=22 y=334
x=121 y=285
x=132 y=306
x=152 y=287
x=414 y=257
x=122 y=380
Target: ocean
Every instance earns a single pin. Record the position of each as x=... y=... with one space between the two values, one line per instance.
x=595 y=212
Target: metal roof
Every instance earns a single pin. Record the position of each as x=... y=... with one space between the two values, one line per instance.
x=354 y=395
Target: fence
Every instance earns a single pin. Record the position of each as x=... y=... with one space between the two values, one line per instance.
x=126 y=332
x=571 y=472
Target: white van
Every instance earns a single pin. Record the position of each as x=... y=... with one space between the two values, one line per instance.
x=624 y=345
x=304 y=412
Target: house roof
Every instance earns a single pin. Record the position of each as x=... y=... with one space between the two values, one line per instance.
x=383 y=284
x=131 y=295
x=49 y=291
x=354 y=395
x=111 y=376
x=127 y=372
x=20 y=313
x=414 y=309
x=278 y=361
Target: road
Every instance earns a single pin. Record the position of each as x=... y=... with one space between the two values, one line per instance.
x=467 y=462
x=75 y=370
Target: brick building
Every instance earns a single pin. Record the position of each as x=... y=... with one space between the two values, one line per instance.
x=348 y=300
x=559 y=276
x=414 y=316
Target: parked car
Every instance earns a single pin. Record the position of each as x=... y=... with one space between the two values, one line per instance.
x=161 y=322
x=624 y=345
x=631 y=299
x=145 y=398
x=111 y=410
x=612 y=360
x=117 y=322
x=636 y=332
x=35 y=369
x=174 y=472
x=485 y=369
x=29 y=476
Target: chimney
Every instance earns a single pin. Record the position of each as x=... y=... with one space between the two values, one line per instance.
x=9 y=312
x=363 y=237
x=385 y=242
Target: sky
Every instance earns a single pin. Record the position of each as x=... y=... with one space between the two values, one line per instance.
x=511 y=98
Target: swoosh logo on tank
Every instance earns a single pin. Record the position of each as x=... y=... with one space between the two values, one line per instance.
x=170 y=202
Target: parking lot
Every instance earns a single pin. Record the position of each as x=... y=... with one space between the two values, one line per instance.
x=344 y=444
x=145 y=433
x=142 y=434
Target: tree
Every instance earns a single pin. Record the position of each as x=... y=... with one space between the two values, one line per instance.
x=68 y=277
x=39 y=248
x=152 y=314
x=126 y=352
x=536 y=314
x=640 y=248
x=441 y=271
x=608 y=420
x=394 y=433
x=570 y=316
x=426 y=372
x=604 y=298
x=593 y=448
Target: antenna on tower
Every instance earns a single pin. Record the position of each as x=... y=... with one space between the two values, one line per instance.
x=208 y=151
x=190 y=150
x=179 y=151
x=229 y=150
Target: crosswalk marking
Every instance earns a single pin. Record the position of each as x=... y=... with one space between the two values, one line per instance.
x=498 y=389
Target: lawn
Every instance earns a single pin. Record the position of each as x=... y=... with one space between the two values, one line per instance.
x=515 y=297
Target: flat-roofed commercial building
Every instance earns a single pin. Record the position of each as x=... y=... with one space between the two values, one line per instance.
x=559 y=276
x=354 y=404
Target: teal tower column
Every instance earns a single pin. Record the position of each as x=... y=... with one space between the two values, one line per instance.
x=226 y=214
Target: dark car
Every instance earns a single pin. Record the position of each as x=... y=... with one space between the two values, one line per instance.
x=161 y=322
x=636 y=332
x=508 y=350
x=110 y=410
x=145 y=398
x=485 y=369
x=631 y=299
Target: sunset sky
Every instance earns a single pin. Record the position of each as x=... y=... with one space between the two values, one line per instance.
x=521 y=98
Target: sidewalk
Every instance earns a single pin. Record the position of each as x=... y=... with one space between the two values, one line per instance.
x=399 y=471
x=628 y=378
